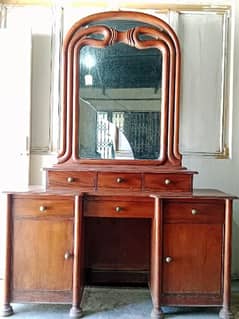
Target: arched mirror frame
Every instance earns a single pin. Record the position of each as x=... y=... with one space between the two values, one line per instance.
x=164 y=39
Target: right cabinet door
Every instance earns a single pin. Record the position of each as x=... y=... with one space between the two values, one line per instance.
x=193 y=247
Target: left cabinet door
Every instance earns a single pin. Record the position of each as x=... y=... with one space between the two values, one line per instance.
x=42 y=249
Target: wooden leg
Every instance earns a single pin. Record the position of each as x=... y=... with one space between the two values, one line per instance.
x=157 y=314
x=78 y=264
x=156 y=261
x=225 y=312
x=6 y=310
x=76 y=312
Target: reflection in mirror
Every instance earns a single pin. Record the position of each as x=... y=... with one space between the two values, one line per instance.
x=120 y=102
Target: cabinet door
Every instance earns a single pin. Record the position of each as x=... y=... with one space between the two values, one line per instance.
x=192 y=258
x=39 y=247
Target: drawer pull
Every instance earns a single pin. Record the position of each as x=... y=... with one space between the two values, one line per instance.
x=167 y=181
x=168 y=259
x=194 y=211
x=68 y=255
x=70 y=179
x=42 y=209
x=119 y=180
x=118 y=209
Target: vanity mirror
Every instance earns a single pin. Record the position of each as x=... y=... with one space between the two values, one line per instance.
x=121 y=79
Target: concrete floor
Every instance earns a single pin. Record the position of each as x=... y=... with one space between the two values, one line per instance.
x=120 y=303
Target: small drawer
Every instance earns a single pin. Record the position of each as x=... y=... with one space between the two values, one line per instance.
x=209 y=211
x=114 y=180
x=71 y=179
x=168 y=182
x=43 y=207
x=119 y=208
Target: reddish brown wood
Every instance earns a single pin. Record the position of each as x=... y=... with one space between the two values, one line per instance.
x=156 y=260
x=71 y=179
x=196 y=259
x=119 y=180
x=78 y=278
x=38 y=258
x=164 y=39
x=225 y=312
x=117 y=245
x=6 y=308
x=124 y=237
x=41 y=207
x=194 y=212
x=168 y=182
x=119 y=208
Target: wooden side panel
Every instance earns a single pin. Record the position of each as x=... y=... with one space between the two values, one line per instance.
x=196 y=258
x=38 y=254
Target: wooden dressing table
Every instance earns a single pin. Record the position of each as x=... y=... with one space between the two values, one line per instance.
x=118 y=206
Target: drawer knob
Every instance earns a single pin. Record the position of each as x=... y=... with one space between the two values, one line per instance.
x=119 y=180
x=118 y=209
x=70 y=179
x=167 y=181
x=168 y=259
x=68 y=255
x=42 y=209
x=194 y=211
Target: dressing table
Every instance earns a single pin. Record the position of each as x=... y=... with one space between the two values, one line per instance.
x=118 y=207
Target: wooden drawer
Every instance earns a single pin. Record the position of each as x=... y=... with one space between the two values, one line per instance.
x=114 y=180
x=42 y=207
x=119 y=208
x=208 y=211
x=71 y=179
x=168 y=182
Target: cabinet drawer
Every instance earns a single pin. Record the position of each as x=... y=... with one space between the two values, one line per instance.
x=130 y=181
x=42 y=207
x=119 y=208
x=194 y=212
x=168 y=182
x=71 y=179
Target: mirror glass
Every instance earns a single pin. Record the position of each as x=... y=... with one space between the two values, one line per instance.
x=120 y=102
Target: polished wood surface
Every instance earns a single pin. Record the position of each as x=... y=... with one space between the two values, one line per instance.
x=38 y=258
x=168 y=182
x=194 y=264
x=70 y=179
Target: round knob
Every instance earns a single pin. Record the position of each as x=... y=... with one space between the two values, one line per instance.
x=119 y=180
x=42 y=208
x=168 y=259
x=118 y=209
x=194 y=211
x=68 y=255
x=167 y=181
x=70 y=179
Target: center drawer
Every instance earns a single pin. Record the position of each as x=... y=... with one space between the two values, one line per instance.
x=114 y=180
x=119 y=208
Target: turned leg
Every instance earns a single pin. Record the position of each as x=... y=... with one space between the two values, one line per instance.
x=78 y=263
x=156 y=258
x=157 y=314
x=225 y=312
x=6 y=309
x=76 y=312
